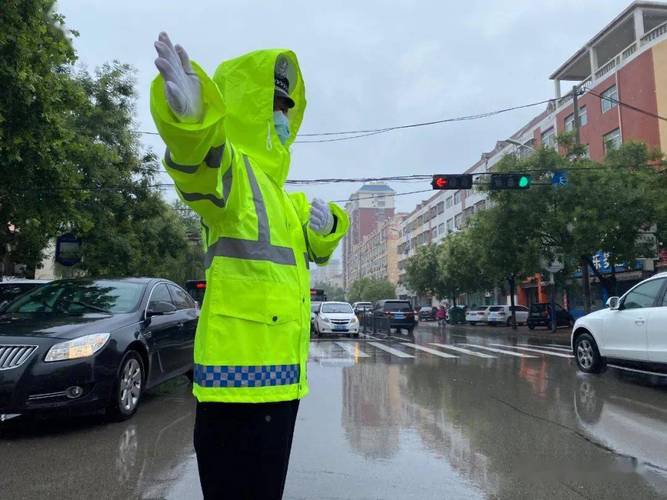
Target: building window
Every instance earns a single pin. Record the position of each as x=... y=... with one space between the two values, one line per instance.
x=480 y=205
x=583 y=116
x=612 y=140
x=449 y=202
x=441 y=228
x=441 y=207
x=450 y=226
x=457 y=221
x=609 y=99
x=457 y=197
x=569 y=123
x=548 y=138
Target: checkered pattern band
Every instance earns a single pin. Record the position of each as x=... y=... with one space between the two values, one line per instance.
x=245 y=376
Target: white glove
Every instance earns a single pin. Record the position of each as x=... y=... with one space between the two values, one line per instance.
x=321 y=218
x=182 y=84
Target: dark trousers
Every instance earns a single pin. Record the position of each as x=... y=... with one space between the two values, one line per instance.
x=243 y=449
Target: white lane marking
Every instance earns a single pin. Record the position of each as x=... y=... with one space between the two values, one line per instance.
x=353 y=350
x=368 y=336
x=554 y=349
x=646 y=372
x=429 y=350
x=390 y=350
x=465 y=351
x=550 y=353
x=502 y=351
x=560 y=346
x=317 y=352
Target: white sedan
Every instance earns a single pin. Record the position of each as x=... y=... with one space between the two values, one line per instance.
x=633 y=328
x=336 y=317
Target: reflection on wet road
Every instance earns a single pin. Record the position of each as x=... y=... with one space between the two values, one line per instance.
x=461 y=413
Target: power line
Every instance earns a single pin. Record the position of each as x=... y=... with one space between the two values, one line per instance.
x=629 y=106
x=356 y=134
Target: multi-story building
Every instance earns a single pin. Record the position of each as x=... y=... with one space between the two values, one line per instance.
x=621 y=74
x=368 y=207
x=378 y=252
x=331 y=274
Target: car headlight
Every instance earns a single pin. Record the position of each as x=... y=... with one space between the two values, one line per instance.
x=82 y=347
x=354 y=320
x=324 y=319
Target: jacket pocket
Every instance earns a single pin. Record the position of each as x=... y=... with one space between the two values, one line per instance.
x=267 y=302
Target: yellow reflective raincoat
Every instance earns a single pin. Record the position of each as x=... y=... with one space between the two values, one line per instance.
x=254 y=328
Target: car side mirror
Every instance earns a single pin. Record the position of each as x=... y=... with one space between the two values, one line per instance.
x=613 y=303
x=160 y=308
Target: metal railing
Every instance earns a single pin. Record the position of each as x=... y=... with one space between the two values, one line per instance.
x=656 y=32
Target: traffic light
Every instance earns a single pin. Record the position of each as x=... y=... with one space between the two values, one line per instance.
x=510 y=181
x=452 y=181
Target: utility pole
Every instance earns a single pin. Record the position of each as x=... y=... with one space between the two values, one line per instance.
x=585 y=276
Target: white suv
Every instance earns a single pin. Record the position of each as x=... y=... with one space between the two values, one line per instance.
x=633 y=328
x=502 y=315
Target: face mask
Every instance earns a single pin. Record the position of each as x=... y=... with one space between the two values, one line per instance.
x=282 y=126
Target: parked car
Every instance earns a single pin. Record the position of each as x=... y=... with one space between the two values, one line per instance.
x=314 y=308
x=540 y=315
x=631 y=329
x=394 y=313
x=90 y=344
x=456 y=314
x=336 y=318
x=426 y=313
x=502 y=315
x=11 y=289
x=362 y=308
x=196 y=289
x=477 y=315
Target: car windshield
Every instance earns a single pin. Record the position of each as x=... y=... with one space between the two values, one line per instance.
x=336 y=308
x=80 y=296
x=538 y=308
x=480 y=308
x=496 y=308
x=315 y=306
x=9 y=291
x=397 y=306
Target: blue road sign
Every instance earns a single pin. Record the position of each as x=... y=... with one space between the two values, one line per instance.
x=559 y=178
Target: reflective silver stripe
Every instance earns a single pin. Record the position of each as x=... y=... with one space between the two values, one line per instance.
x=260 y=209
x=218 y=202
x=213 y=158
x=314 y=258
x=249 y=250
x=186 y=169
x=260 y=249
x=227 y=183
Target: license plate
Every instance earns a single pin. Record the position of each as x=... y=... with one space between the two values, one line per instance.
x=400 y=316
x=339 y=328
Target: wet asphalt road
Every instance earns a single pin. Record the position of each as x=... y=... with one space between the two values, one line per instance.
x=465 y=419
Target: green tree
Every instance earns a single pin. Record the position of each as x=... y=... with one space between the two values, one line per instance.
x=459 y=262
x=370 y=290
x=37 y=99
x=423 y=273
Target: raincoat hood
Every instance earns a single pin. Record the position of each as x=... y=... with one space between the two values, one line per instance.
x=247 y=86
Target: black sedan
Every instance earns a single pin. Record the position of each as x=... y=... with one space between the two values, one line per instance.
x=91 y=344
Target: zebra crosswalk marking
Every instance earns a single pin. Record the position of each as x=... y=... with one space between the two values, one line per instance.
x=353 y=350
x=390 y=350
x=550 y=353
x=502 y=351
x=429 y=350
x=465 y=351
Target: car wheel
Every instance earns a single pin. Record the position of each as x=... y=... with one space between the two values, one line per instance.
x=471 y=323
x=128 y=388
x=587 y=354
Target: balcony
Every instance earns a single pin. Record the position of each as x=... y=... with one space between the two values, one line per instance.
x=640 y=26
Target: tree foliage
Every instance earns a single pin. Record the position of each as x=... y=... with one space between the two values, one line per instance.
x=72 y=161
x=370 y=290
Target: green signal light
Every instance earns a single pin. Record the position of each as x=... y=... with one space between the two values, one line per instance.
x=524 y=181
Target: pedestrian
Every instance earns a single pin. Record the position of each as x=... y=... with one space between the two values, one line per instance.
x=228 y=151
x=441 y=315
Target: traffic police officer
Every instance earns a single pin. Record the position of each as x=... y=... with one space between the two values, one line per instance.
x=228 y=140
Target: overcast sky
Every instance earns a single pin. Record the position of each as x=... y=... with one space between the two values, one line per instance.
x=366 y=64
